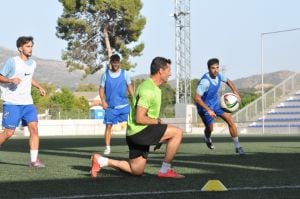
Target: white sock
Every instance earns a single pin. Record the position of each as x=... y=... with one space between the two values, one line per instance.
x=103 y=161
x=165 y=167
x=108 y=147
x=236 y=142
x=33 y=155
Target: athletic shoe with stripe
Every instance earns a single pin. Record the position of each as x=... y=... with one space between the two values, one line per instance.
x=209 y=143
x=95 y=165
x=170 y=174
x=37 y=164
x=240 y=151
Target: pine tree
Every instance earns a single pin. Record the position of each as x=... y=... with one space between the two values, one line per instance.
x=94 y=29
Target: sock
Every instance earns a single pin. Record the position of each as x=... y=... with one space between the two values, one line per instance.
x=108 y=147
x=236 y=142
x=165 y=167
x=207 y=139
x=33 y=155
x=103 y=161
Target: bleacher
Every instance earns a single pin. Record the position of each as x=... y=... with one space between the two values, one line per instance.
x=277 y=111
x=283 y=114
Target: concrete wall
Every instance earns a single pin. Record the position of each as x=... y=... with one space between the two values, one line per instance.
x=74 y=127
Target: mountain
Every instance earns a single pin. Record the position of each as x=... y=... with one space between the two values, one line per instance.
x=53 y=71
x=270 y=79
x=254 y=81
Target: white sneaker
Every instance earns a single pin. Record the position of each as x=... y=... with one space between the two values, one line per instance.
x=106 y=152
x=209 y=143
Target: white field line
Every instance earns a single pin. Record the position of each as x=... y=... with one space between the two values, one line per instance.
x=170 y=192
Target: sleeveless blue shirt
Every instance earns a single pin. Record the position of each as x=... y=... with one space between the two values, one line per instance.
x=210 y=97
x=116 y=90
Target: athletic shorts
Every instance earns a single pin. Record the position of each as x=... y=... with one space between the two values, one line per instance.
x=13 y=114
x=114 y=116
x=139 y=143
x=206 y=118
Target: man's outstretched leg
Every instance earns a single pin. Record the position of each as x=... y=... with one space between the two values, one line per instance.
x=133 y=166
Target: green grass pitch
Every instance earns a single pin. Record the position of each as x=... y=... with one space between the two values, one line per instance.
x=271 y=163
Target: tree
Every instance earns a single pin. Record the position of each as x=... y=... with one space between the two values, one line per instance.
x=42 y=102
x=87 y=87
x=65 y=99
x=167 y=100
x=95 y=29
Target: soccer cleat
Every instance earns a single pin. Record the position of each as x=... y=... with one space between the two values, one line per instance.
x=106 y=152
x=240 y=151
x=209 y=143
x=170 y=174
x=37 y=164
x=95 y=165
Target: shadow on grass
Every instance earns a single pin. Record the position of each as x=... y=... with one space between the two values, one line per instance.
x=15 y=164
x=256 y=169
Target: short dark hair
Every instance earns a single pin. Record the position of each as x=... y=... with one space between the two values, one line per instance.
x=212 y=61
x=24 y=40
x=114 y=57
x=158 y=63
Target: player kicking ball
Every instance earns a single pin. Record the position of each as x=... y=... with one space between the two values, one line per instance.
x=145 y=128
x=208 y=106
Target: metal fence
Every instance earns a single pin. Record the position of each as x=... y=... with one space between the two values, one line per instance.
x=254 y=110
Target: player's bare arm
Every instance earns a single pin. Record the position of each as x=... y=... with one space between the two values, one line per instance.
x=102 y=97
x=232 y=87
x=38 y=86
x=142 y=117
x=15 y=80
x=201 y=103
x=130 y=90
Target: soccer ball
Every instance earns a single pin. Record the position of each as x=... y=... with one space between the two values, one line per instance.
x=229 y=102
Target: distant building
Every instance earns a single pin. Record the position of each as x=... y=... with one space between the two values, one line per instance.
x=92 y=97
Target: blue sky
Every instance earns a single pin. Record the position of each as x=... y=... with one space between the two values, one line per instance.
x=227 y=29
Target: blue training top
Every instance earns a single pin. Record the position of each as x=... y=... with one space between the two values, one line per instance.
x=210 y=97
x=115 y=90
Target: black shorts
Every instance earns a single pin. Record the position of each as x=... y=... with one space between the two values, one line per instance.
x=139 y=143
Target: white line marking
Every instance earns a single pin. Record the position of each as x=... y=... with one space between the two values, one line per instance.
x=170 y=192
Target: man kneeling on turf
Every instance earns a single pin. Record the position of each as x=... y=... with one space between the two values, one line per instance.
x=145 y=128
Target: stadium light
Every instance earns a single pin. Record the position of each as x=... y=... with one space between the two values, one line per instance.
x=262 y=68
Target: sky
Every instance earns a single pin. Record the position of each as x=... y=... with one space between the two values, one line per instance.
x=230 y=30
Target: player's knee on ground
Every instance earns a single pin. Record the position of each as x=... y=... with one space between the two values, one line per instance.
x=137 y=173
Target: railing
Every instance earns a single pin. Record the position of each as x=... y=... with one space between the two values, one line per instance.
x=254 y=110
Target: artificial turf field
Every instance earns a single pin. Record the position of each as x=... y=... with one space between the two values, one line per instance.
x=270 y=169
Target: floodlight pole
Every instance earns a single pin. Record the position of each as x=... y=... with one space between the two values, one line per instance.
x=262 y=69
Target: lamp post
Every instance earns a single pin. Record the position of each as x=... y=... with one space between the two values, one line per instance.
x=262 y=69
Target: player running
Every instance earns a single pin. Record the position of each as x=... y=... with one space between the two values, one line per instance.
x=16 y=81
x=207 y=102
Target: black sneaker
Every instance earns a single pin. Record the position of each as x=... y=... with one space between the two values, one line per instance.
x=240 y=151
x=209 y=143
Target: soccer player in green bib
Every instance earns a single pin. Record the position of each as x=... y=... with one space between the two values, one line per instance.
x=145 y=128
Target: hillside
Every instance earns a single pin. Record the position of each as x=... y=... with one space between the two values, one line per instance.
x=270 y=79
x=53 y=71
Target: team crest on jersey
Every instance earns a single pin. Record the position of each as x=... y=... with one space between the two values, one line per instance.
x=5 y=114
